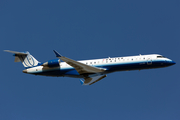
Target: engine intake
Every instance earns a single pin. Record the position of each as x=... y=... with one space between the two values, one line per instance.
x=52 y=63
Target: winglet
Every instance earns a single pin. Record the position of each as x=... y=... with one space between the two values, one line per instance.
x=81 y=81
x=57 y=54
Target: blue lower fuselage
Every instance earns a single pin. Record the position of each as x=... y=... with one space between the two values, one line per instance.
x=110 y=67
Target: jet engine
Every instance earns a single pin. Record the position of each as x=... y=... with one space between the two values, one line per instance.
x=52 y=63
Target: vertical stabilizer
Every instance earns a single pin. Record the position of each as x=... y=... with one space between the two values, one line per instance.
x=25 y=57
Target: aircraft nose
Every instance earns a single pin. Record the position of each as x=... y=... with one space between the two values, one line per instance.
x=172 y=62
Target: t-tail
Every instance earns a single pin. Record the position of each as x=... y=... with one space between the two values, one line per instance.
x=26 y=58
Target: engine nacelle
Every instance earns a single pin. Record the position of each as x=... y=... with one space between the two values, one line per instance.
x=52 y=63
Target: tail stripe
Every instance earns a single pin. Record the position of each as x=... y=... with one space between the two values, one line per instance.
x=26 y=58
x=30 y=61
x=22 y=60
x=33 y=63
x=27 y=61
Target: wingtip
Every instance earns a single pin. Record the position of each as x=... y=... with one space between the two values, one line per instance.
x=57 y=54
x=81 y=81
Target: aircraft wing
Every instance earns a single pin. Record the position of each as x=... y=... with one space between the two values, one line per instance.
x=92 y=80
x=81 y=68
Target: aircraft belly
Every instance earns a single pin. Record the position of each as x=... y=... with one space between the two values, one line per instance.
x=133 y=66
x=50 y=73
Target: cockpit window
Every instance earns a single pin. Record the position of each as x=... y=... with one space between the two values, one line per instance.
x=161 y=57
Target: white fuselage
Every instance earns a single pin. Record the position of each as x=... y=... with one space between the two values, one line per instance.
x=108 y=64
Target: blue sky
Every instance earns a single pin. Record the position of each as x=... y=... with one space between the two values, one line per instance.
x=81 y=29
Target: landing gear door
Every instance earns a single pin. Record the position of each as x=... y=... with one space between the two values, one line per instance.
x=149 y=61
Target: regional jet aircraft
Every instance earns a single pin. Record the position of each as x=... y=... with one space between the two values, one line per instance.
x=89 y=71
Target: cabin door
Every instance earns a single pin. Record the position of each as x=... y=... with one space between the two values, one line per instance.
x=149 y=61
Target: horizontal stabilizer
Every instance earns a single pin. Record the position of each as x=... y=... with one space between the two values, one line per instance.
x=17 y=53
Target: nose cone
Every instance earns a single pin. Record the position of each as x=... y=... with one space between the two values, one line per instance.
x=169 y=62
x=172 y=63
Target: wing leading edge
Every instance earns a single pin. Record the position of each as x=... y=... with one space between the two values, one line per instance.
x=83 y=69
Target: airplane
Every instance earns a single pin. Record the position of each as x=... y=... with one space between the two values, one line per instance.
x=89 y=71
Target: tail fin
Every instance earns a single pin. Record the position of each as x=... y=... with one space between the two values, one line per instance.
x=26 y=58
